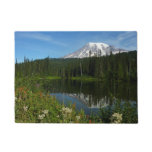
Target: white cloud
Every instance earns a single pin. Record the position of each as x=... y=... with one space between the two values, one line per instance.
x=41 y=37
x=126 y=40
x=126 y=35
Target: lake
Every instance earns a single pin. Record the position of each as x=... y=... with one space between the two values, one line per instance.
x=91 y=96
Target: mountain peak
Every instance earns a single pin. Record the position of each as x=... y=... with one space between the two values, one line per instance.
x=98 y=44
x=94 y=49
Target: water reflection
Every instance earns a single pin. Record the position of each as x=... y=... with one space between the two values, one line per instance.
x=90 y=96
x=89 y=102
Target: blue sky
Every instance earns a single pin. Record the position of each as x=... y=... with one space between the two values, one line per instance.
x=38 y=45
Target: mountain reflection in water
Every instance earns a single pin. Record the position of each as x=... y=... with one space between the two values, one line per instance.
x=90 y=96
x=89 y=102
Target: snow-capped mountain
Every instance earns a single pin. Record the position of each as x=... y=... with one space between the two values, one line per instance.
x=94 y=49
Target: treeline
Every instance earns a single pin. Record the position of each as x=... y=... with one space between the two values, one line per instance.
x=122 y=66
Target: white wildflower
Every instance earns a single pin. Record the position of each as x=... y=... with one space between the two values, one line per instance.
x=65 y=116
x=78 y=117
x=41 y=116
x=25 y=108
x=45 y=111
x=116 y=118
x=63 y=109
x=66 y=110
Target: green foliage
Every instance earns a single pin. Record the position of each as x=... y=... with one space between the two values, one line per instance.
x=105 y=114
x=126 y=110
x=129 y=113
x=121 y=66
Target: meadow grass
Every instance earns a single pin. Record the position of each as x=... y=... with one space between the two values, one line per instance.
x=85 y=78
x=52 y=77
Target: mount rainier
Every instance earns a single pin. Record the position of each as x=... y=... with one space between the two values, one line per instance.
x=95 y=49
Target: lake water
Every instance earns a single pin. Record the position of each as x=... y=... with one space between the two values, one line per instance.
x=90 y=96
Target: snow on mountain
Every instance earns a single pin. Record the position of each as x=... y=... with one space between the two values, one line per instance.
x=94 y=49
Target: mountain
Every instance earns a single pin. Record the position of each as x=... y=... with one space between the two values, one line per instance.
x=94 y=49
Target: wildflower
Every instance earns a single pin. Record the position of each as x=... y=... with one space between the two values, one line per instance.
x=41 y=116
x=45 y=111
x=25 y=108
x=78 y=118
x=41 y=94
x=116 y=118
x=57 y=116
x=89 y=121
x=65 y=116
x=66 y=110
x=20 y=89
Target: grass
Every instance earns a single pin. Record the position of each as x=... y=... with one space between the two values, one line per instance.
x=85 y=78
x=78 y=78
x=50 y=77
x=53 y=77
